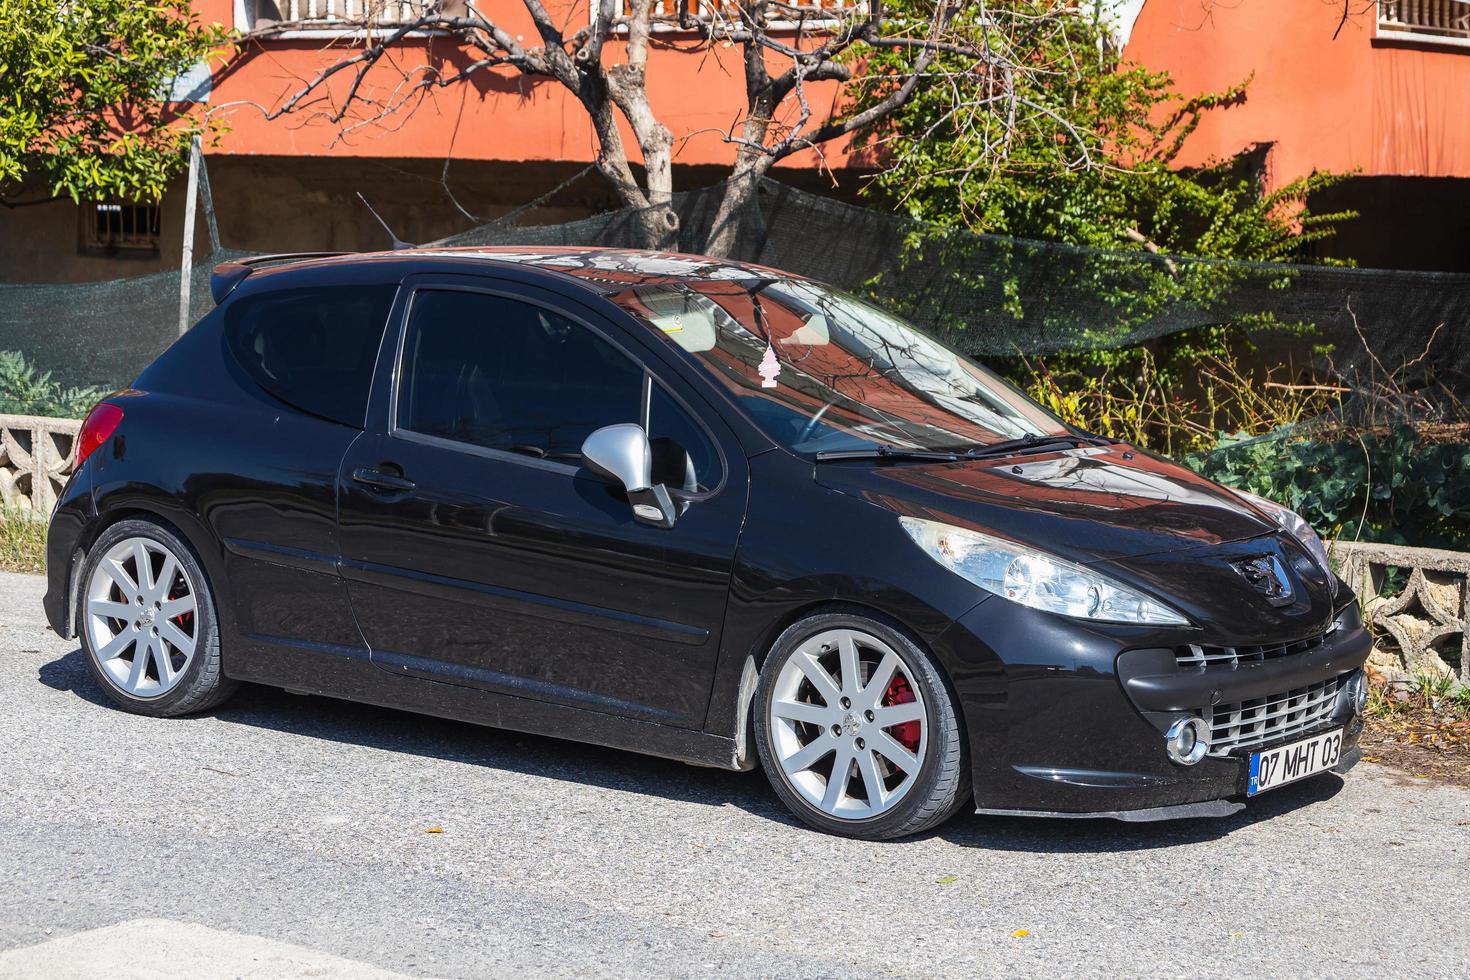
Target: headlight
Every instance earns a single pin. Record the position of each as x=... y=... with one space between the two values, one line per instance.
x=1292 y=523
x=1034 y=578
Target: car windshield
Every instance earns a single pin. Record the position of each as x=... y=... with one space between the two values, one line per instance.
x=822 y=371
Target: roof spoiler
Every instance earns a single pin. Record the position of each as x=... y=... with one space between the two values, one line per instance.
x=228 y=275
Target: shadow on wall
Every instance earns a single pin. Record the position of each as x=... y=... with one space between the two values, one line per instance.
x=399 y=731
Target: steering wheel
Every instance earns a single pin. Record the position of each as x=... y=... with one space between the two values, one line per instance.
x=811 y=424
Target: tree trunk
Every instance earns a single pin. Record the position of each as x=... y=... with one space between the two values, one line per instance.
x=733 y=218
x=658 y=227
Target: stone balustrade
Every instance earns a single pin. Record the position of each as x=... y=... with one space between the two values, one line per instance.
x=35 y=460
x=1420 y=623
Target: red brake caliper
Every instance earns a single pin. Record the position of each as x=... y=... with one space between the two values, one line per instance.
x=899 y=692
x=182 y=620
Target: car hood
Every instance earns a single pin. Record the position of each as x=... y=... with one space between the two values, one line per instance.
x=1087 y=505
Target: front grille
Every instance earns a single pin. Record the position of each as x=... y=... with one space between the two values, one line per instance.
x=1247 y=724
x=1198 y=656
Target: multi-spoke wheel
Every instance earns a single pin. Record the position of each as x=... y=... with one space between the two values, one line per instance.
x=857 y=731
x=147 y=622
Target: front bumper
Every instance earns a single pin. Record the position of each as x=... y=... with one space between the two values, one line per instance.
x=1068 y=718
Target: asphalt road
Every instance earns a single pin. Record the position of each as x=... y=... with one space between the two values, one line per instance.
x=284 y=835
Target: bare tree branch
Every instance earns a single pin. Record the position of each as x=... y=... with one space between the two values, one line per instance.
x=786 y=49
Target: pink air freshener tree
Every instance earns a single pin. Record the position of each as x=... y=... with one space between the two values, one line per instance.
x=770 y=367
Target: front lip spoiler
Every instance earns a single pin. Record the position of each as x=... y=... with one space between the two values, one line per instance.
x=1189 y=689
x=1179 y=811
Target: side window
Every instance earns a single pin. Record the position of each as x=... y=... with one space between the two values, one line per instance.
x=507 y=375
x=683 y=456
x=312 y=348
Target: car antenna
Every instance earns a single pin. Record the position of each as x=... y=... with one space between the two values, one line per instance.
x=398 y=243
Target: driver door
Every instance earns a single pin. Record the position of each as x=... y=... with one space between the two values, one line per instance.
x=478 y=551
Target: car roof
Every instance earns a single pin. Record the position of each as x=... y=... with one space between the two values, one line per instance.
x=605 y=270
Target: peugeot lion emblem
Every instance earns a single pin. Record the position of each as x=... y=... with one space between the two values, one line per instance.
x=1268 y=576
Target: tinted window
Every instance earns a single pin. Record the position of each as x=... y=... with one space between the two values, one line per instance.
x=312 y=348
x=683 y=456
x=819 y=369
x=511 y=376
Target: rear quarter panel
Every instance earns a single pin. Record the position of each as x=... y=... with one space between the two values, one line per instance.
x=248 y=481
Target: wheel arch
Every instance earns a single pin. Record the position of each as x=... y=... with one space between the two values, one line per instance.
x=136 y=510
x=756 y=657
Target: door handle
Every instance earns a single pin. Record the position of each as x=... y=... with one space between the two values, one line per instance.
x=382 y=482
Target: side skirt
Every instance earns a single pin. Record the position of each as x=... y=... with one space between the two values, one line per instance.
x=349 y=674
x=1209 y=808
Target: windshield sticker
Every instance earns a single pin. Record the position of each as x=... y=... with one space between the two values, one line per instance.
x=770 y=368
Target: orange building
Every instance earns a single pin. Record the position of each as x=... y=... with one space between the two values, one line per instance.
x=1383 y=93
x=1385 y=98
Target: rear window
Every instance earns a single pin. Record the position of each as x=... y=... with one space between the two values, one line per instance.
x=312 y=348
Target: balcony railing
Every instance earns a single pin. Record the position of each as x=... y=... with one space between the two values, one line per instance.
x=1445 y=18
x=812 y=10
x=315 y=15
x=704 y=8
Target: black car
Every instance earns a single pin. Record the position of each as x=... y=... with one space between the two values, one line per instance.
x=698 y=509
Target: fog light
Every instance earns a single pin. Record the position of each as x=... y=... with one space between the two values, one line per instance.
x=1187 y=741
x=1357 y=692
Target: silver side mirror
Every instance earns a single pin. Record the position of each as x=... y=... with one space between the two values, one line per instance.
x=621 y=454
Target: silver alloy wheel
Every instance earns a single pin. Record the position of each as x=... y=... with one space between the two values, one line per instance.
x=847 y=724
x=142 y=619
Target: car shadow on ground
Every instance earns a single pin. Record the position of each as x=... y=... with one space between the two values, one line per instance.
x=391 y=730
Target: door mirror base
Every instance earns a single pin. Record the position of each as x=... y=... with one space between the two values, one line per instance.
x=654 y=506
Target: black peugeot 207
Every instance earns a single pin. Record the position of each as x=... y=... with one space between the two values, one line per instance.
x=699 y=509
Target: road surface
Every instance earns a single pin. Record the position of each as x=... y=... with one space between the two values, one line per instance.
x=289 y=836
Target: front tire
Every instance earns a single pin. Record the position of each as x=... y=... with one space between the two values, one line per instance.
x=857 y=730
x=148 y=623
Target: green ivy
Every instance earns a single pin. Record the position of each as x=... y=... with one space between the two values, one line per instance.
x=1392 y=486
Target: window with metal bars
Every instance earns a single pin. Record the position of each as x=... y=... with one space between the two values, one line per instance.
x=111 y=227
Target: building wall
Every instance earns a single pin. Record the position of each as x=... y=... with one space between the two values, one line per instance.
x=285 y=204
x=1365 y=103
x=498 y=114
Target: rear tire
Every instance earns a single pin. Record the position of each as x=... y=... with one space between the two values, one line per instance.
x=147 y=622
x=857 y=730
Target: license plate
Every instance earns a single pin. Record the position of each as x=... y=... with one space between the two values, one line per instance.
x=1288 y=763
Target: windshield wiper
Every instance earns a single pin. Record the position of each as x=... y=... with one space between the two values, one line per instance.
x=1030 y=441
x=885 y=452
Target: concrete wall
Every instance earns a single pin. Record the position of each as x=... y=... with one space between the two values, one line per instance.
x=282 y=204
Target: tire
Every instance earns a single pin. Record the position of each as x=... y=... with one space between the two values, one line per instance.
x=861 y=718
x=167 y=617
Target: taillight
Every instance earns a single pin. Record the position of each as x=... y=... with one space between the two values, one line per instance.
x=101 y=422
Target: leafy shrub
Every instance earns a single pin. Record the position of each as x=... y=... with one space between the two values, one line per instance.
x=1392 y=485
x=1172 y=396
x=26 y=391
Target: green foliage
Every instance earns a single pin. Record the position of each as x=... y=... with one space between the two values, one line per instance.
x=80 y=87
x=1391 y=485
x=1150 y=404
x=1084 y=154
x=26 y=391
